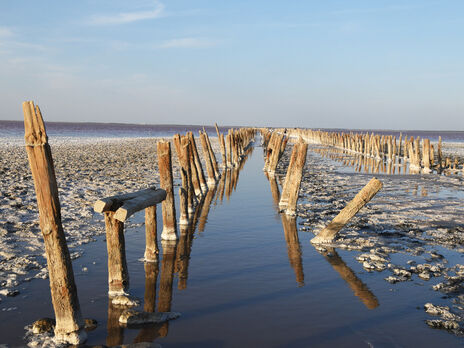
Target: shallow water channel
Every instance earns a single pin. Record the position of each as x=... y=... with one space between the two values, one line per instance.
x=244 y=277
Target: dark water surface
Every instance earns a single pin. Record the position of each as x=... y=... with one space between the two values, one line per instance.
x=245 y=277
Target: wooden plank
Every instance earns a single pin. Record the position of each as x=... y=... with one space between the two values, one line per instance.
x=114 y=202
x=143 y=200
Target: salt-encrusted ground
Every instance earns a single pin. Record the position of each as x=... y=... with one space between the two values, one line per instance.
x=86 y=169
x=420 y=217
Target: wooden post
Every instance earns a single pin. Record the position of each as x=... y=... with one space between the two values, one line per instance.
x=346 y=214
x=439 y=154
x=426 y=155
x=275 y=154
x=293 y=186
x=186 y=172
x=229 y=150
x=286 y=186
x=217 y=173
x=118 y=275
x=209 y=165
x=151 y=243
x=183 y=197
x=193 y=168
x=69 y=323
x=201 y=175
x=166 y=183
x=223 y=150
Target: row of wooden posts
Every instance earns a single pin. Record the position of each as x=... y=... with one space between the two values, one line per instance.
x=289 y=225
x=420 y=153
x=274 y=143
x=117 y=209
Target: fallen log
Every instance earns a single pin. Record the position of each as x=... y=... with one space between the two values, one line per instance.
x=328 y=234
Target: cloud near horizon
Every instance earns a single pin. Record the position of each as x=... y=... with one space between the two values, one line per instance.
x=129 y=17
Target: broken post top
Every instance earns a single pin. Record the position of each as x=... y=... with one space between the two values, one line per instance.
x=34 y=126
x=128 y=204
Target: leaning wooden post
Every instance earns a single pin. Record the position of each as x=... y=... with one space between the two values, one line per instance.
x=196 y=157
x=166 y=183
x=223 y=150
x=294 y=184
x=209 y=165
x=217 y=173
x=69 y=323
x=288 y=178
x=328 y=234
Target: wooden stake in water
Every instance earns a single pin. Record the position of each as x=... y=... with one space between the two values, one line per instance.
x=166 y=183
x=69 y=323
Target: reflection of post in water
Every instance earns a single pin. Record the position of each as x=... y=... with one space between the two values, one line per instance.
x=228 y=186
x=359 y=288
x=184 y=247
x=234 y=179
x=115 y=333
x=274 y=190
x=151 y=275
x=205 y=208
x=149 y=333
x=293 y=247
x=220 y=190
x=166 y=280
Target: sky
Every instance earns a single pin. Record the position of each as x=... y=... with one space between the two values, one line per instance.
x=391 y=64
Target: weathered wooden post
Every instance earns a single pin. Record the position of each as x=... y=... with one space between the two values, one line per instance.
x=193 y=168
x=212 y=156
x=69 y=323
x=209 y=165
x=166 y=183
x=346 y=214
x=183 y=197
x=117 y=209
x=118 y=275
x=275 y=154
x=426 y=155
x=293 y=186
x=151 y=243
x=223 y=150
x=183 y=153
x=290 y=170
x=196 y=157
x=439 y=154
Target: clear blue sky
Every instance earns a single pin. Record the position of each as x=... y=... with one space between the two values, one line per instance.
x=356 y=64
